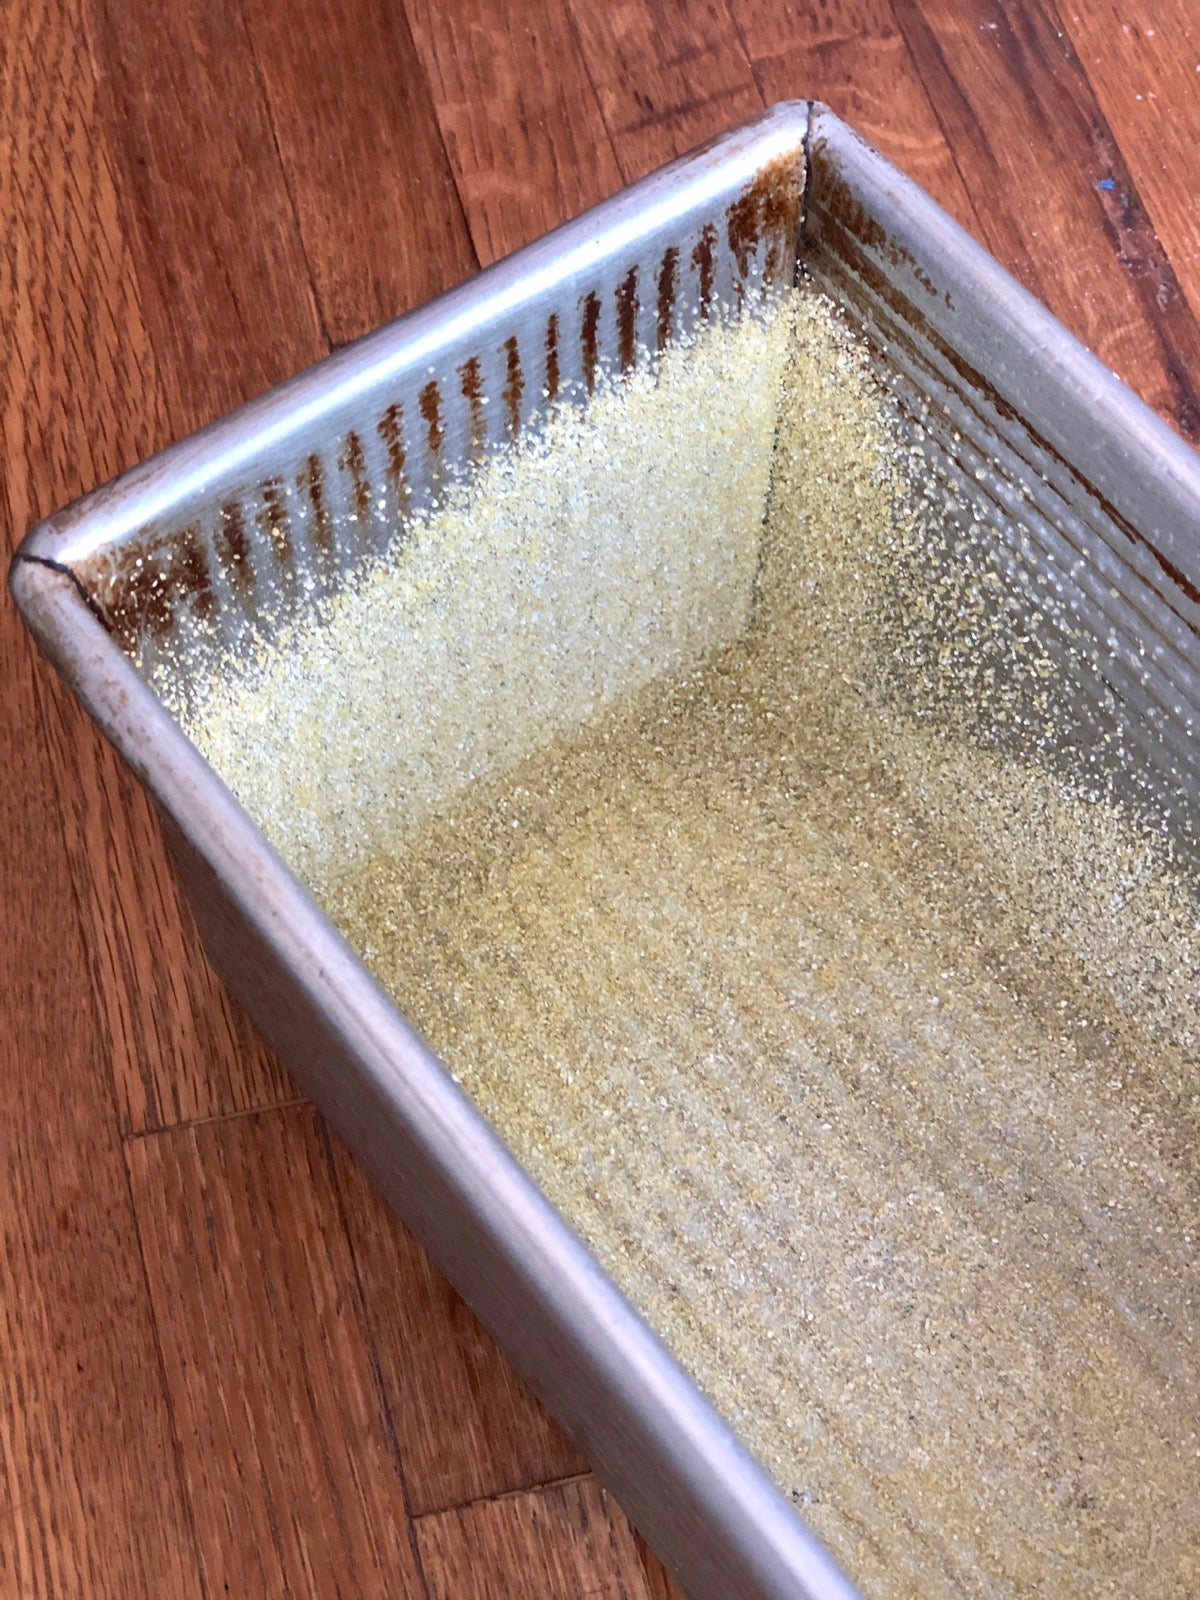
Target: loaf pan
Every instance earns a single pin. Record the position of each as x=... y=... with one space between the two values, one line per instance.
x=228 y=534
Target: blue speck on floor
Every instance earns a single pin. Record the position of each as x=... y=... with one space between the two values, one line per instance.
x=1106 y=183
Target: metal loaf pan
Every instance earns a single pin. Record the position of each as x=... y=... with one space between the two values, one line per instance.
x=1076 y=480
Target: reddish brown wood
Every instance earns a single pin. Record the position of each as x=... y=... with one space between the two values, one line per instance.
x=561 y=1543
x=853 y=57
x=1145 y=72
x=1032 y=144
x=467 y=1426
x=91 y=1499
x=288 y=1454
x=350 y=104
x=225 y=286
x=522 y=126
x=668 y=77
x=177 y=1047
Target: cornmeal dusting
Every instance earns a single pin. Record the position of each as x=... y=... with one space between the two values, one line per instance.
x=860 y=1049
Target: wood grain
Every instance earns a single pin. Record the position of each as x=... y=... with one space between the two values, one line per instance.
x=1145 y=73
x=523 y=129
x=90 y=1494
x=225 y=285
x=466 y=1425
x=179 y=348
x=178 y=1048
x=854 y=58
x=1031 y=144
x=667 y=77
x=379 y=215
x=561 y=1543
x=287 y=1450
x=196 y=201
x=91 y=1500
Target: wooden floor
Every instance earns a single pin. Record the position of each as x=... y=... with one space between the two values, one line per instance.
x=224 y=1370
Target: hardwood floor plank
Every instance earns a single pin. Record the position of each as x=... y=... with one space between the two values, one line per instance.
x=1032 y=143
x=566 y=1542
x=1145 y=72
x=379 y=213
x=90 y=1496
x=179 y=1048
x=225 y=285
x=287 y=1452
x=523 y=129
x=199 y=329
x=467 y=1427
x=91 y=1500
x=667 y=77
x=852 y=56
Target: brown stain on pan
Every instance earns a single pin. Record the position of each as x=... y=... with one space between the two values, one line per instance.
x=552 y=374
x=704 y=262
x=141 y=592
x=429 y=403
x=353 y=460
x=232 y=544
x=275 y=524
x=311 y=482
x=591 y=340
x=190 y=569
x=471 y=380
x=767 y=212
x=668 y=277
x=627 y=310
x=514 y=384
x=390 y=428
x=847 y=232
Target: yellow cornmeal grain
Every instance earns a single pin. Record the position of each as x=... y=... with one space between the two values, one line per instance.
x=606 y=548
x=865 y=1058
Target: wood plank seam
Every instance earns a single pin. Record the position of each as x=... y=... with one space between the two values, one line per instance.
x=931 y=63
x=507 y=1494
x=189 y=1509
x=368 y=1336
x=752 y=64
x=131 y=1135
x=1141 y=251
x=289 y=190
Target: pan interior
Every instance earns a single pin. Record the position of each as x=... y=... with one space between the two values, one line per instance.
x=689 y=786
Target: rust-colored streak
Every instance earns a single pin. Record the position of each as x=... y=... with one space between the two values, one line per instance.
x=390 y=429
x=782 y=188
x=850 y=238
x=767 y=212
x=311 y=482
x=627 y=310
x=353 y=460
x=591 y=340
x=743 y=221
x=430 y=402
x=233 y=547
x=140 y=602
x=274 y=522
x=145 y=592
x=514 y=384
x=552 y=375
x=668 y=274
x=703 y=261
x=188 y=575
x=471 y=376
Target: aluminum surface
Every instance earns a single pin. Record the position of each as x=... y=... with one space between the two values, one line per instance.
x=1082 y=480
